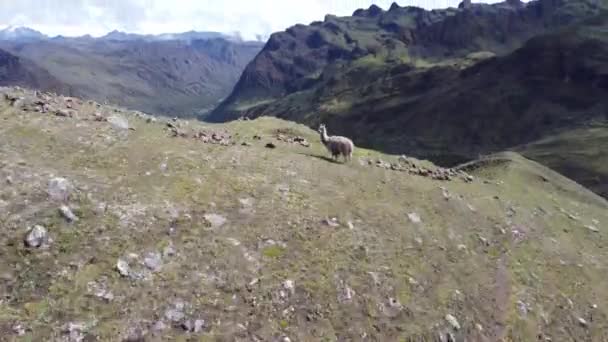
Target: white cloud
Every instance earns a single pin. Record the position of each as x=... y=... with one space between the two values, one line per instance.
x=250 y=18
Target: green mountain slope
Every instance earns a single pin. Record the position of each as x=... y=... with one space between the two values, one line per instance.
x=453 y=107
x=178 y=239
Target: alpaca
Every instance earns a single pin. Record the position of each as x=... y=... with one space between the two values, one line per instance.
x=337 y=145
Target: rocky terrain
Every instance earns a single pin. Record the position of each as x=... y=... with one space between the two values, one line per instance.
x=178 y=75
x=445 y=85
x=116 y=226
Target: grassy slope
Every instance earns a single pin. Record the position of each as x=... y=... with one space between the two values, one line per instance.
x=555 y=268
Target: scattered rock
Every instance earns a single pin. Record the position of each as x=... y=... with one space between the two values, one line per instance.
x=168 y=251
x=582 y=322
x=37 y=237
x=159 y=326
x=195 y=326
x=123 y=267
x=215 y=220
x=59 y=189
x=350 y=225
x=67 y=213
x=592 y=228
x=333 y=222
x=414 y=218
x=118 y=122
x=289 y=286
x=100 y=291
x=75 y=331
x=345 y=294
x=64 y=113
x=246 y=144
x=270 y=145
x=153 y=261
x=19 y=329
x=452 y=321
x=176 y=313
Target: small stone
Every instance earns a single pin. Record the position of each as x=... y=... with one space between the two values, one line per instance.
x=195 y=326
x=215 y=220
x=418 y=241
x=483 y=240
x=270 y=145
x=118 y=122
x=350 y=225
x=414 y=218
x=36 y=237
x=67 y=213
x=594 y=306
x=582 y=322
x=462 y=247
x=123 y=267
x=470 y=178
x=153 y=261
x=592 y=228
x=168 y=251
x=59 y=189
x=174 y=314
x=346 y=294
x=289 y=286
x=19 y=329
x=159 y=326
x=453 y=321
x=333 y=222
x=479 y=327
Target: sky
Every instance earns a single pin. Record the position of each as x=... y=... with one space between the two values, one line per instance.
x=253 y=19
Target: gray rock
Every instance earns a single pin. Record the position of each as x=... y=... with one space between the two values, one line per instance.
x=592 y=228
x=59 y=189
x=100 y=291
x=37 y=237
x=159 y=326
x=123 y=267
x=582 y=322
x=169 y=251
x=118 y=122
x=19 y=329
x=67 y=213
x=194 y=326
x=215 y=220
x=176 y=313
x=332 y=222
x=153 y=261
x=452 y=321
x=414 y=218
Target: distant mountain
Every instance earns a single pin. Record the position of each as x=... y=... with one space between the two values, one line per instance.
x=20 y=33
x=183 y=74
x=17 y=71
x=185 y=36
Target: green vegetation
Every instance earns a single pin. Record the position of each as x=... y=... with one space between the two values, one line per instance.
x=510 y=252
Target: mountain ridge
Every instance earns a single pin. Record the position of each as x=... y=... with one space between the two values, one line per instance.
x=484 y=96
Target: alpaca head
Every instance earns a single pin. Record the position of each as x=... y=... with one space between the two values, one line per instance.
x=321 y=128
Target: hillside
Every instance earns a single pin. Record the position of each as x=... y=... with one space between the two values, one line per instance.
x=19 y=72
x=174 y=77
x=209 y=235
x=499 y=77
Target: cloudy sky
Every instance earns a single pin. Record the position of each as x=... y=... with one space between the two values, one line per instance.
x=252 y=18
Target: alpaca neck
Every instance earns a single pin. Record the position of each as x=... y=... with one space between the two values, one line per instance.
x=324 y=136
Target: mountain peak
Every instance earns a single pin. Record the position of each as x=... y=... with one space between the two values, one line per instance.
x=20 y=33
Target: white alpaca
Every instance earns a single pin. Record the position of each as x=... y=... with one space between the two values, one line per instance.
x=337 y=145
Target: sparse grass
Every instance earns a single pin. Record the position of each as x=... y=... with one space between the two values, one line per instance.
x=233 y=274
